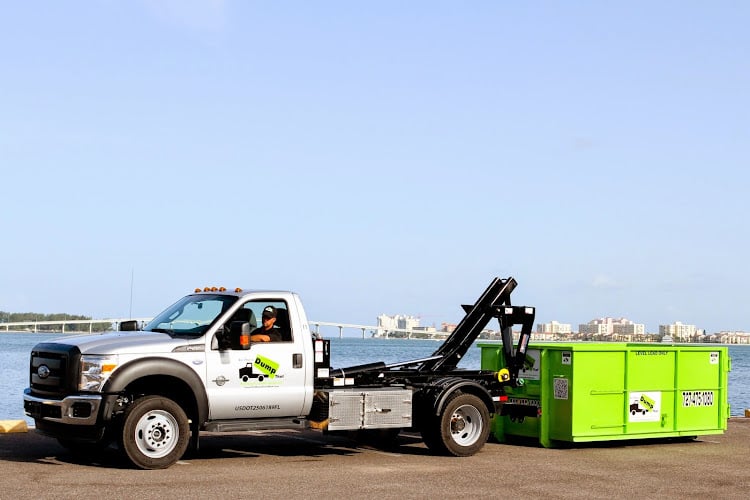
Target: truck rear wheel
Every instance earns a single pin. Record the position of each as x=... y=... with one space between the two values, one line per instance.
x=155 y=432
x=461 y=429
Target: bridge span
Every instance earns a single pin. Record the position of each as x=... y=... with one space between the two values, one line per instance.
x=317 y=327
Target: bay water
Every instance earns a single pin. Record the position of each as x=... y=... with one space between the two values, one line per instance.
x=16 y=346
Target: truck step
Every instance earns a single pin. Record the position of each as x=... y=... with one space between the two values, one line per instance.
x=256 y=424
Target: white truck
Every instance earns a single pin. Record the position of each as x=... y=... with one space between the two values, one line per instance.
x=194 y=368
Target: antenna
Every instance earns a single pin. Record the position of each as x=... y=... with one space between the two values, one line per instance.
x=130 y=310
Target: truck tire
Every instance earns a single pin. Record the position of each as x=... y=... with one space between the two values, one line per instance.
x=461 y=429
x=155 y=432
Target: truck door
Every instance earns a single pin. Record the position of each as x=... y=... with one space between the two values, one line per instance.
x=266 y=380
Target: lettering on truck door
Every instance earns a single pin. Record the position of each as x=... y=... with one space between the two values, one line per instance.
x=260 y=381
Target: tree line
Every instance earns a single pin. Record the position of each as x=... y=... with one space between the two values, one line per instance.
x=31 y=317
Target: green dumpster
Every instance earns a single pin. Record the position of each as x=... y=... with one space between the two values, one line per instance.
x=579 y=392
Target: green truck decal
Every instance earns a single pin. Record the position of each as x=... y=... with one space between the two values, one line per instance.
x=260 y=369
x=266 y=365
x=647 y=402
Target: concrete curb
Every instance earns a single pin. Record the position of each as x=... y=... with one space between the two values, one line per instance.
x=8 y=426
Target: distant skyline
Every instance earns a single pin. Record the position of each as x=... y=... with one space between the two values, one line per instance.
x=378 y=157
x=377 y=324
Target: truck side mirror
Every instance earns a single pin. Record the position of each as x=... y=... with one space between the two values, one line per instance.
x=239 y=333
x=130 y=325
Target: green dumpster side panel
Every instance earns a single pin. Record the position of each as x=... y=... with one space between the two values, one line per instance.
x=606 y=391
x=598 y=396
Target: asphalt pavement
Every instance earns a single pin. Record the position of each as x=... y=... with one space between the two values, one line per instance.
x=308 y=464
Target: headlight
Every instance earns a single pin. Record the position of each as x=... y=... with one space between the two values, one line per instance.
x=95 y=370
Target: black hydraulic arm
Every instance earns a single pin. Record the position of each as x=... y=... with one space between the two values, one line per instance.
x=509 y=316
x=491 y=304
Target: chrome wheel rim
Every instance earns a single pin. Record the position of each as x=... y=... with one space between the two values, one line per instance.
x=466 y=425
x=157 y=433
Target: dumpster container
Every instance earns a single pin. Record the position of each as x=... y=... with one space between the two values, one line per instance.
x=579 y=392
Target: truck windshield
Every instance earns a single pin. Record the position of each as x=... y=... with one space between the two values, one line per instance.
x=191 y=316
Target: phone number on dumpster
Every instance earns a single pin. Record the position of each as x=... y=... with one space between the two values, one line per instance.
x=697 y=398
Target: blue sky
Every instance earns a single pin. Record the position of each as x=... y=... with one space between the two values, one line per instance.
x=378 y=157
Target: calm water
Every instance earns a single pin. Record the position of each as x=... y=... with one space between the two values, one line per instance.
x=15 y=348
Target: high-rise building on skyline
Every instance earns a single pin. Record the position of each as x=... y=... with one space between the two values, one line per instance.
x=609 y=326
x=397 y=322
x=677 y=330
x=554 y=327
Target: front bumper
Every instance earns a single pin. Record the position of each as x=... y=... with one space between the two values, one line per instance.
x=73 y=410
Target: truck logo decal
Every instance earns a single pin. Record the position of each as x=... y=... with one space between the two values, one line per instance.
x=261 y=369
x=530 y=368
x=644 y=406
x=267 y=366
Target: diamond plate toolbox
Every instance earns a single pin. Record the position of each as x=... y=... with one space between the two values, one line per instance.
x=371 y=409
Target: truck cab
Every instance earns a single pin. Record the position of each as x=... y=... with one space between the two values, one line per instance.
x=259 y=379
x=197 y=353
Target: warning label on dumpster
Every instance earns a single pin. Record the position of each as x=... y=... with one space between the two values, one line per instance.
x=714 y=359
x=644 y=406
x=566 y=357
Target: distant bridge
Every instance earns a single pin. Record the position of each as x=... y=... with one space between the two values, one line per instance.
x=379 y=331
x=101 y=325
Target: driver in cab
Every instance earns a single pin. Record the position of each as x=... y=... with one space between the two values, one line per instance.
x=268 y=332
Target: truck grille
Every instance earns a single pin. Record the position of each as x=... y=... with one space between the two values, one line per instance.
x=53 y=369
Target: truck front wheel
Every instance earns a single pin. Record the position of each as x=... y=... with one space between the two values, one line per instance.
x=461 y=429
x=155 y=432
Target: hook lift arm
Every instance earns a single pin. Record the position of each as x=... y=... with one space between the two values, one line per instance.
x=493 y=303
